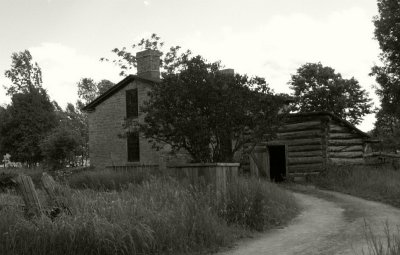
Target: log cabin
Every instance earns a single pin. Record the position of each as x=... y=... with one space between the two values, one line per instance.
x=308 y=143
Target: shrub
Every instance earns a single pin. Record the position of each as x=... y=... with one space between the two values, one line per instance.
x=60 y=147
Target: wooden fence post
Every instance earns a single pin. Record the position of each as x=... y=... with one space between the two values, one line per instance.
x=55 y=192
x=29 y=195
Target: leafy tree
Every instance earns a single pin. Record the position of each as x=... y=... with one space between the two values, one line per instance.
x=387 y=129
x=207 y=113
x=89 y=90
x=2 y=122
x=60 y=147
x=31 y=113
x=320 y=88
x=27 y=120
x=104 y=85
x=25 y=75
x=171 y=61
x=76 y=121
x=387 y=32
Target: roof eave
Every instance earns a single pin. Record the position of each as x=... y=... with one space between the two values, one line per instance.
x=111 y=91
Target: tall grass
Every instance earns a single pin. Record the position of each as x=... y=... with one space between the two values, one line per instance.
x=108 y=179
x=159 y=216
x=256 y=205
x=390 y=245
x=374 y=183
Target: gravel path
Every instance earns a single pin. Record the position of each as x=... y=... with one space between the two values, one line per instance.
x=330 y=223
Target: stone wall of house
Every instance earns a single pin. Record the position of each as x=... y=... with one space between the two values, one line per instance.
x=107 y=147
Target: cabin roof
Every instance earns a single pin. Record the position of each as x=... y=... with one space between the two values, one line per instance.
x=114 y=89
x=334 y=117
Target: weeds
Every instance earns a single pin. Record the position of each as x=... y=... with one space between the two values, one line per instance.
x=379 y=184
x=258 y=205
x=107 y=179
x=390 y=245
x=158 y=216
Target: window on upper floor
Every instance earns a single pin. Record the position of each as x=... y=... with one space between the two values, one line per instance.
x=132 y=108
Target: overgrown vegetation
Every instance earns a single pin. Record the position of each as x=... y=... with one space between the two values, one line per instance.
x=107 y=179
x=158 y=216
x=376 y=246
x=258 y=205
x=374 y=183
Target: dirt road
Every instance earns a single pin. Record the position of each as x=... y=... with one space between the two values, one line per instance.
x=330 y=223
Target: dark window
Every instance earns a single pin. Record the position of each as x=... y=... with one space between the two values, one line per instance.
x=133 y=147
x=132 y=109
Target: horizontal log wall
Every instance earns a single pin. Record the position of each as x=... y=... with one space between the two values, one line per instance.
x=300 y=134
x=304 y=160
x=304 y=137
x=346 y=154
x=336 y=128
x=305 y=153
x=344 y=146
x=346 y=161
x=341 y=142
x=306 y=168
x=304 y=148
x=300 y=126
x=303 y=141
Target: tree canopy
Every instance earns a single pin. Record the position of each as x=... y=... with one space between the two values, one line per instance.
x=89 y=90
x=387 y=76
x=320 y=88
x=387 y=32
x=30 y=115
x=24 y=75
x=208 y=113
x=171 y=59
x=26 y=121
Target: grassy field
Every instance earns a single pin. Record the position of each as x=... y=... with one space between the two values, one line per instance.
x=152 y=215
x=380 y=184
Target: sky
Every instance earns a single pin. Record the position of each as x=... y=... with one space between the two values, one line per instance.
x=267 y=38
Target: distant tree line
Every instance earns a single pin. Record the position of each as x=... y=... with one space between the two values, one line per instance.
x=33 y=128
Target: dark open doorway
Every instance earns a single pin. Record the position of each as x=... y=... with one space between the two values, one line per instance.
x=277 y=162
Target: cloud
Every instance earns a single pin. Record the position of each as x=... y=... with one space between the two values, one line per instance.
x=62 y=67
x=276 y=48
x=147 y=3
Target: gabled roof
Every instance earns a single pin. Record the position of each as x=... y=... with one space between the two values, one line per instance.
x=334 y=117
x=114 y=89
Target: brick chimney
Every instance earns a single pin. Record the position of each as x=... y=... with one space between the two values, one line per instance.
x=148 y=64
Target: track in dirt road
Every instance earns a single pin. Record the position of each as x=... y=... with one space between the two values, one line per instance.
x=330 y=223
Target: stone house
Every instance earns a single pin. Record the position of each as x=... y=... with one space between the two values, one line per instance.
x=107 y=114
